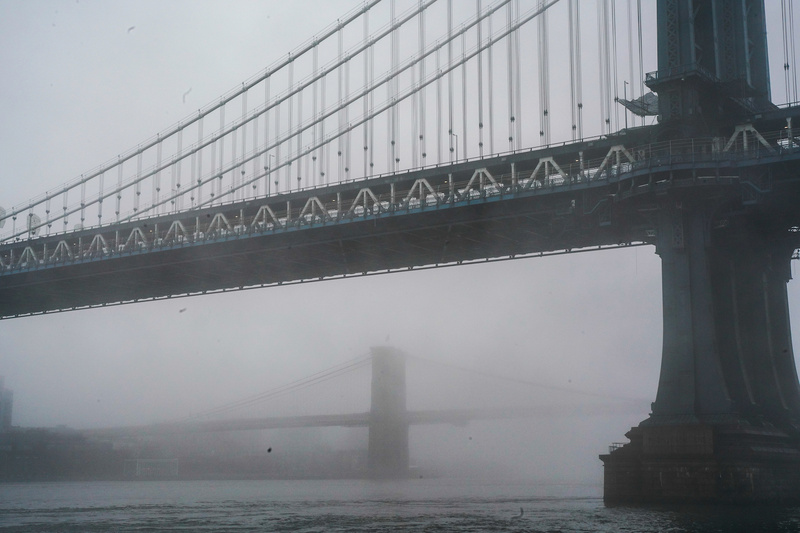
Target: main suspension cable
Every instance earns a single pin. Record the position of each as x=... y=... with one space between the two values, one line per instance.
x=313 y=379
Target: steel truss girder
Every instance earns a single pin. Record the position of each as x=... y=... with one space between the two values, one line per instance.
x=409 y=220
x=422 y=193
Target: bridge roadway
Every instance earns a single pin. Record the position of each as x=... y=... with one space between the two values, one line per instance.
x=452 y=416
x=596 y=193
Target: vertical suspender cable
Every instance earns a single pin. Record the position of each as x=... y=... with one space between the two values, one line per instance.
x=290 y=126
x=544 y=79
x=238 y=175
x=789 y=51
x=605 y=50
x=199 y=176
x=193 y=171
x=395 y=45
x=415 y=115
x=178 y=173
x=464 y=124
x=371 y=97
x=480 y=79
x=176 y=184
x=438 y=109
x=793 y=50
x=277 y=143
x=156 y=179
x=234 y=178
x=304 y=161
x=602 y=34
x=641 y=55
x=615 y=77
x=325 y=152
x=47 y=206
x=256 y=171
x=414 y=120
x=510 y=78
x=573 y=110
x=630 y=52
x=65 y=203
x=267 y=162
x=578 y=69
x=101 y=178
x=314 y=112
x=83 y=205
x=342 y=124
x=119 y=188
x=368 y=86
x=137 y=188
x=396 y=86
x=347 y=134
x=390 y=154
x=517 y=81
x=490 y=84
x=600 y=62
x=214 y=149
x=786 y=78
x=218 y=170
x=422 y=110
x=450 y=77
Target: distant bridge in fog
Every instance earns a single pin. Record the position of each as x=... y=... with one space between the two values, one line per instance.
x=388 y=419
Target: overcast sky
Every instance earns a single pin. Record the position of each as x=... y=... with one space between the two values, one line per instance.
x=85 y=80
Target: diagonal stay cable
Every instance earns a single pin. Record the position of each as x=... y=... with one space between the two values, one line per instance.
x=537 y=384
x=315 y=378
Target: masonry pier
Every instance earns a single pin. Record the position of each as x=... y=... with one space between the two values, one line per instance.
x=388 y=425
x=725 y=426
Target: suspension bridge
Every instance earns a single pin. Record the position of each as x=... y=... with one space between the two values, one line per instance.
x=320 y=167
x=388 y=419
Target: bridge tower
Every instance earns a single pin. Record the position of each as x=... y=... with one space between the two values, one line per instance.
x=725 y=425
x=712 y=65
x=388 y=426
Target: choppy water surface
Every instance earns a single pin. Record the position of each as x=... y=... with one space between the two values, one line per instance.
x=353 y=506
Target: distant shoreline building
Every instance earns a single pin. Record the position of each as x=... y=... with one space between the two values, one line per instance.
x=6 y=404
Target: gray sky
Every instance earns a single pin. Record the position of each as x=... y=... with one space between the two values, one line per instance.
x=85 y=80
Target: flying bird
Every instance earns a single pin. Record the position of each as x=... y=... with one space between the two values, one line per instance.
x=186 y=94
x=131 y=29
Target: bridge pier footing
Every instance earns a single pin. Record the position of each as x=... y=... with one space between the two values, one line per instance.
x=703 y=463
x=725 y=426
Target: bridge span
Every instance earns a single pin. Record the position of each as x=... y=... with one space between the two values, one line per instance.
x=600 y=193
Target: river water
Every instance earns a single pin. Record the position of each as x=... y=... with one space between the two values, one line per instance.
x=356 y=506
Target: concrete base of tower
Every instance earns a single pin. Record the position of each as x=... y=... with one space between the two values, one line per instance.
x=703 y=463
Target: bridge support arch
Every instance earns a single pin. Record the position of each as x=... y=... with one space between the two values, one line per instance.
x=387 y=456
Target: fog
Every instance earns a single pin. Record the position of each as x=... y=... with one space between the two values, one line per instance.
x=84 y=81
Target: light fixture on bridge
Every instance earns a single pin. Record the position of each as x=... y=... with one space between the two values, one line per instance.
x=456 y=145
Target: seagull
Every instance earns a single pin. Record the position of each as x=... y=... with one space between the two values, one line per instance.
x=521 y=512
x=131 y=29
x=186 y=94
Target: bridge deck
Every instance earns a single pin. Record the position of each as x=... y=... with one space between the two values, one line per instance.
x=567 y=197
x=451 y=416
